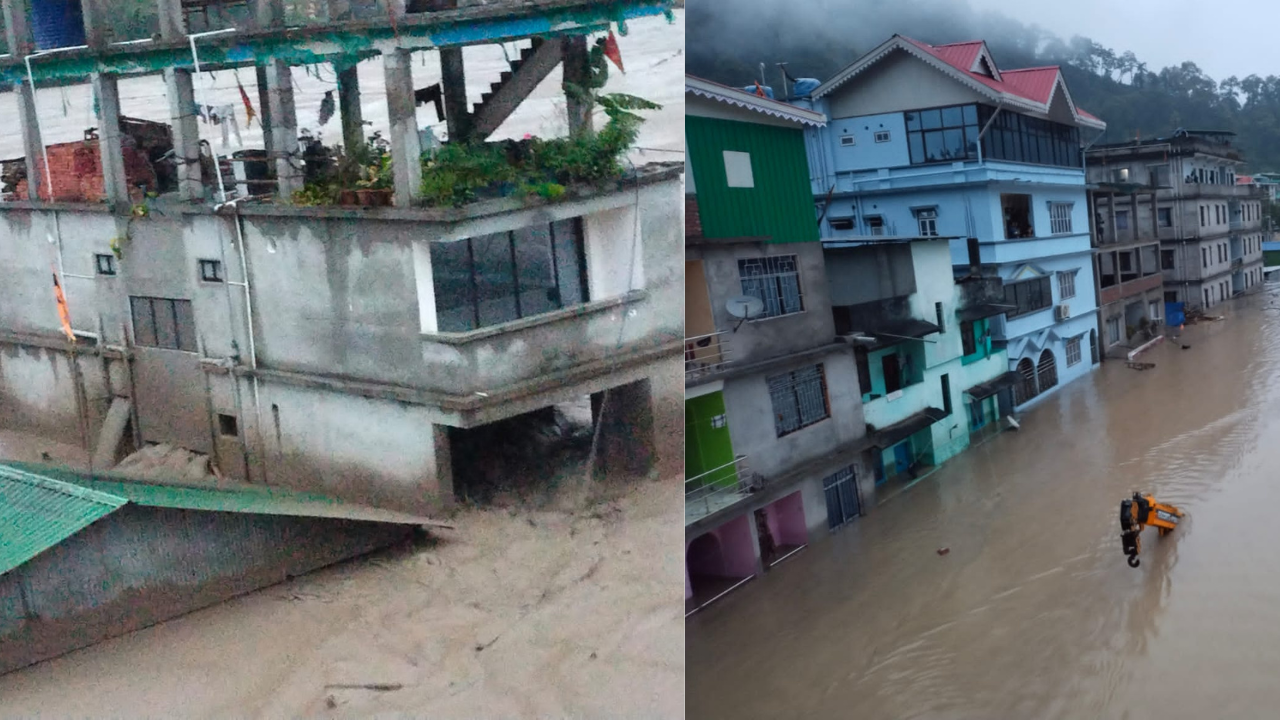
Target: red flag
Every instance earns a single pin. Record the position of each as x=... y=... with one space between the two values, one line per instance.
x=63 y=313
x=248 y=106
x=612 y=52
x=760 y=91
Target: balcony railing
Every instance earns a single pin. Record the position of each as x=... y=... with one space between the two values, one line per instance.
x=706 y=354
x=716 y=489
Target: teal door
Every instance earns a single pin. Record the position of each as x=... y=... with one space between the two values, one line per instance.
x=902 y=456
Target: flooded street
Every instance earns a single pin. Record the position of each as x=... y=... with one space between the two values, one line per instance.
x=1034 y=612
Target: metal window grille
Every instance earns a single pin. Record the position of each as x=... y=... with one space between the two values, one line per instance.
x=843 y=504
x=106 y=264
x=882 y=136
x=1073 y=351
x=1060 y=217
x=776 y=281
x=1113 y=328
x=799 y=399
x=163 y=323
x=1066 y=285
x=1026 y=387
x=1047 y=370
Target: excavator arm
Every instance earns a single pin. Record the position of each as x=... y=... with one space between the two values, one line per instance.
x=1136 y=514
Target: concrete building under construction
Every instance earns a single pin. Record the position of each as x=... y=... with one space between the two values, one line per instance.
x=338 y=349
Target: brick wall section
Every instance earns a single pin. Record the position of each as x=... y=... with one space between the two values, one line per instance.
x=76 y=168
x=692 y=220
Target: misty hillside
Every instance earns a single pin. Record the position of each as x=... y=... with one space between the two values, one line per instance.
x=728 y=39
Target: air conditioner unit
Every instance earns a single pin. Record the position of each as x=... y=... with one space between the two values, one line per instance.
x=1062 y=312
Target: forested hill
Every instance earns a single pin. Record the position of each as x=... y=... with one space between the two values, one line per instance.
x=728 y=39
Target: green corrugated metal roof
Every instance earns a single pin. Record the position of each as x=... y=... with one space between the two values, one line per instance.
x=37 y=513
x=41 y=506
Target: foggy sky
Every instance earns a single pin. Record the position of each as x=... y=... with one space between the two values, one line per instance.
x=1223 y=37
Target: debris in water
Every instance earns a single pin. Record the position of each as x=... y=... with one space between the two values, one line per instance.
x=944 y=550
x=330 y=702
x=381 y=687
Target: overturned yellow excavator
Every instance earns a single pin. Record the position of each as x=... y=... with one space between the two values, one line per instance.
x=1139 y=512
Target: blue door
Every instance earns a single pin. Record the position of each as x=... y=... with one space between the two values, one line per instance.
x=902 y=456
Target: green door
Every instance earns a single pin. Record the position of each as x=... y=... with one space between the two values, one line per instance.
x=707 y=443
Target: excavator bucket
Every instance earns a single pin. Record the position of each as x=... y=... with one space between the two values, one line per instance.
x=1137 y=513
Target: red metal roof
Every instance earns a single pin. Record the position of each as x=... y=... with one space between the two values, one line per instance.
x=1035 y=84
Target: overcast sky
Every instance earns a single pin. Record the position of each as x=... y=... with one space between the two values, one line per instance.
x=1223 y=37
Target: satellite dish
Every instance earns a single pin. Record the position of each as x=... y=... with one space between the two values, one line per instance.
x=744 y=307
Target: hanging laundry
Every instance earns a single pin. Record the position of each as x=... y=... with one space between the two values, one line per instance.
x=326 y=108
x=612 y=51
x=249 y=112
x=64 y=314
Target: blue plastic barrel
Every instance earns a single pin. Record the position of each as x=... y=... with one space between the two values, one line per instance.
x=57 y=23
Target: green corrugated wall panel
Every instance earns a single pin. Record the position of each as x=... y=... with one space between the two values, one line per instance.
x=37 y=513
x=241 y=498
x=780 y=206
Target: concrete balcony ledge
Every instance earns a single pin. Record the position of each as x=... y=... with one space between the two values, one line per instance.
x=529 y=323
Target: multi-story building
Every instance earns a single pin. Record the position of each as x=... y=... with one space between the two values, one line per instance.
x=931 y=376
x=1209 y=226
x=335 y=349
x=940 y=141
x=1129 y=280
x=775 y=437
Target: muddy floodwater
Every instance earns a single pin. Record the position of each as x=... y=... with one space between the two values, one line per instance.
x=1033 y=613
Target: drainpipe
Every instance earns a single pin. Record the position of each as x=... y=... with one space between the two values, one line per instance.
x=983 y=132
x=195 y=61
x=44 y=148
x=253 y=347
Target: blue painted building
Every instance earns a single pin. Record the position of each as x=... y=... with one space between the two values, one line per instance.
x=938 y=141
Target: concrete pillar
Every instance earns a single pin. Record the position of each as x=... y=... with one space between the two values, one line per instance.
x=576 y=71
x=186 y=132
x=284 y=128
x=453 y=83
x=338 y=10
x=17 y=29
x=266 y=13
x=32 y=144
x=349 y=103
x=406 y=150
x=111 y=142
x=624 y=419
x=173 y=25
x=264 y=108
x=95 y=14
x=444 y=465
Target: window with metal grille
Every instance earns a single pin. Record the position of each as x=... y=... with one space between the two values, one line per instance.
x=776 y=281
x=163 y=323
x=799 y=399
x=1060 y=217
x=493 y=279
x=106 y=264
x=841 y=490
x=1046 y=370
x=1026 y=296
x=1164 y=217
x=847 y=140
x=1073 y=351
x=1113 y=329
x=882 y=136
x=210 y=271
x=968 y=338
x=928 y=220
x=1155 y=309
x=1026 y=387
x=1066 y=285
